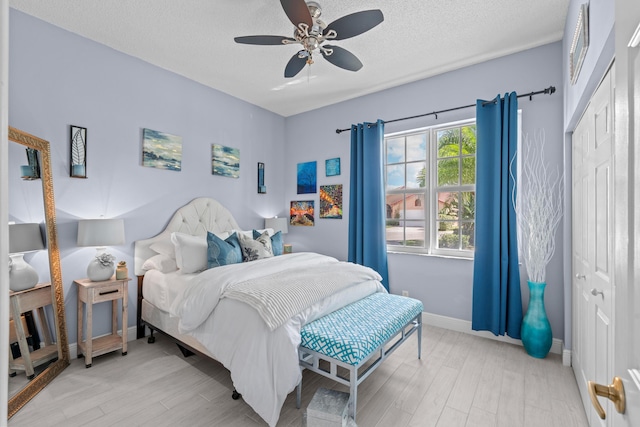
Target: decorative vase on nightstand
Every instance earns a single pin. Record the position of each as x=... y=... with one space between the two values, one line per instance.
x=101 y=268
x=536 y=329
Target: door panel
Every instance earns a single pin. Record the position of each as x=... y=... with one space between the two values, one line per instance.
x=593 y=255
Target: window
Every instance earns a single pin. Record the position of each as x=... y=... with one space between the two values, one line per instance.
x=430 y=189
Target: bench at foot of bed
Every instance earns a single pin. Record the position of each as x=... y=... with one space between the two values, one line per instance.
x=351 y=336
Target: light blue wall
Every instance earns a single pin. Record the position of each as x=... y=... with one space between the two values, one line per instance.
x=444 y=285
x=59 y=79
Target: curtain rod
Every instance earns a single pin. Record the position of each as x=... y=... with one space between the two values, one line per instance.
x=550 y=90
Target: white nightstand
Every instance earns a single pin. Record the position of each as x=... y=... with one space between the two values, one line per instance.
x=91 y=293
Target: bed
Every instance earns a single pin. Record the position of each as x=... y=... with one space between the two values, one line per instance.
x=226 y=312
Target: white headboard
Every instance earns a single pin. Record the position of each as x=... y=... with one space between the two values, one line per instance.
x=196 y=218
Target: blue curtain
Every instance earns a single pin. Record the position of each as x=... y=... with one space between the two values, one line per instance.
x=497 y=305
x=367 y=236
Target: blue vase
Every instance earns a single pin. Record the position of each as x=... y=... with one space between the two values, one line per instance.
x=536 y=329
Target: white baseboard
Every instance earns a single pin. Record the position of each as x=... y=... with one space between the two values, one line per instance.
x=566 y=357
x=465 y=326
x=131 y=336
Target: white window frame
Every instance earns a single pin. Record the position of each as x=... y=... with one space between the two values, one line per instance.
x=430 y=193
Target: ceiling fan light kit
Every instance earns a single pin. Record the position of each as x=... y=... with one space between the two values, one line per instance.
x=311 y=32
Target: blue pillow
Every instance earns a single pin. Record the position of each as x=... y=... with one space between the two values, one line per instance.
x=223 y=252
x=277 y=244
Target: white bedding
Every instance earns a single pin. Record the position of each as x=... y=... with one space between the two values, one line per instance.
x=263 y=362
x=161 y=289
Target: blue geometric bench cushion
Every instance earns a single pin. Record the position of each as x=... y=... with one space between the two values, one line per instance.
x=356 y=330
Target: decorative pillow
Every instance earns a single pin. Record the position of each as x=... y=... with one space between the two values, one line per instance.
x=277 y=244
x=160 y=262
x=191 y=252
x=223 y=252
x=164 y=247
x=251 y=233
x=255 y=249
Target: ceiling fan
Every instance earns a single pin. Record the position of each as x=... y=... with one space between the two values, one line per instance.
x=311 y=33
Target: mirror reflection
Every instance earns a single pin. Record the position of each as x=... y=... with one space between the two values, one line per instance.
x=38 y=349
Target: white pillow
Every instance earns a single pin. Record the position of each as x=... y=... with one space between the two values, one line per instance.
x=160 y=262
x=164 y=247
x=191 y=252
x=255 y=249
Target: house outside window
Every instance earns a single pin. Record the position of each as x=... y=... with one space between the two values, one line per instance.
x=430 y=177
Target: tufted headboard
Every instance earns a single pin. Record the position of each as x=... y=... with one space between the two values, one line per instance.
x=196 y=218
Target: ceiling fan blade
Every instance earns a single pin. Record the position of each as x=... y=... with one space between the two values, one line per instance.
x=342 y=58
x=262 y=40
x=297 y=11
x=355 y=23
x=294 y=66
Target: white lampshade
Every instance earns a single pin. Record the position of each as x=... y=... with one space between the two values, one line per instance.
x=278 y=224
x=101 y=232
x=23 y=238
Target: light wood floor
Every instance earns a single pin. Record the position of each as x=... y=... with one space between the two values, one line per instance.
x=461 y=380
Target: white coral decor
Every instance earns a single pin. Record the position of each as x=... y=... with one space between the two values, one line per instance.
x=538 y=207
x=105 y=259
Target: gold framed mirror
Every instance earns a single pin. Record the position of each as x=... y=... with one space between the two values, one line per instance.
x=46 y=375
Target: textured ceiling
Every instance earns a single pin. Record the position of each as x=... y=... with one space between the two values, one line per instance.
x=418 y=39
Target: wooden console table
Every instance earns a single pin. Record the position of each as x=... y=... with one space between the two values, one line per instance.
x=35 y=298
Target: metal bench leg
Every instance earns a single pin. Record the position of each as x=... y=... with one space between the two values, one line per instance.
x=353 y=379
x=419 y=337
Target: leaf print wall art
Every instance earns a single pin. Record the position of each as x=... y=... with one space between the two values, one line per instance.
x=78 y=136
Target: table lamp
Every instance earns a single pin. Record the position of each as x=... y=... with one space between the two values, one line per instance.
x=278 y=224
x=101 y=233
x=23 y=238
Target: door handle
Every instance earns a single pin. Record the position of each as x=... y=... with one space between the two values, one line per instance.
x=580 y=276
x=596 y=292
x=613 y=392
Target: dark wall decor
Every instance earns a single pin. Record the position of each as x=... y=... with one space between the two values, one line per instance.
x=31 y=170
x=262 y=189
x=78 y=138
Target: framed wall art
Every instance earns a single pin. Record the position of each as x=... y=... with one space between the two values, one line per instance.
x=579 y=44
x=331 y=201
x=225 y=161
x=161 y=150
x=262 y=189
x=307 y=174
x=302 y=213
x=31 y=170
x=332 y=166
x=78 y=140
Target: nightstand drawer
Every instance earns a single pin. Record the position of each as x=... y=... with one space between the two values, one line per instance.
x=108 y=293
